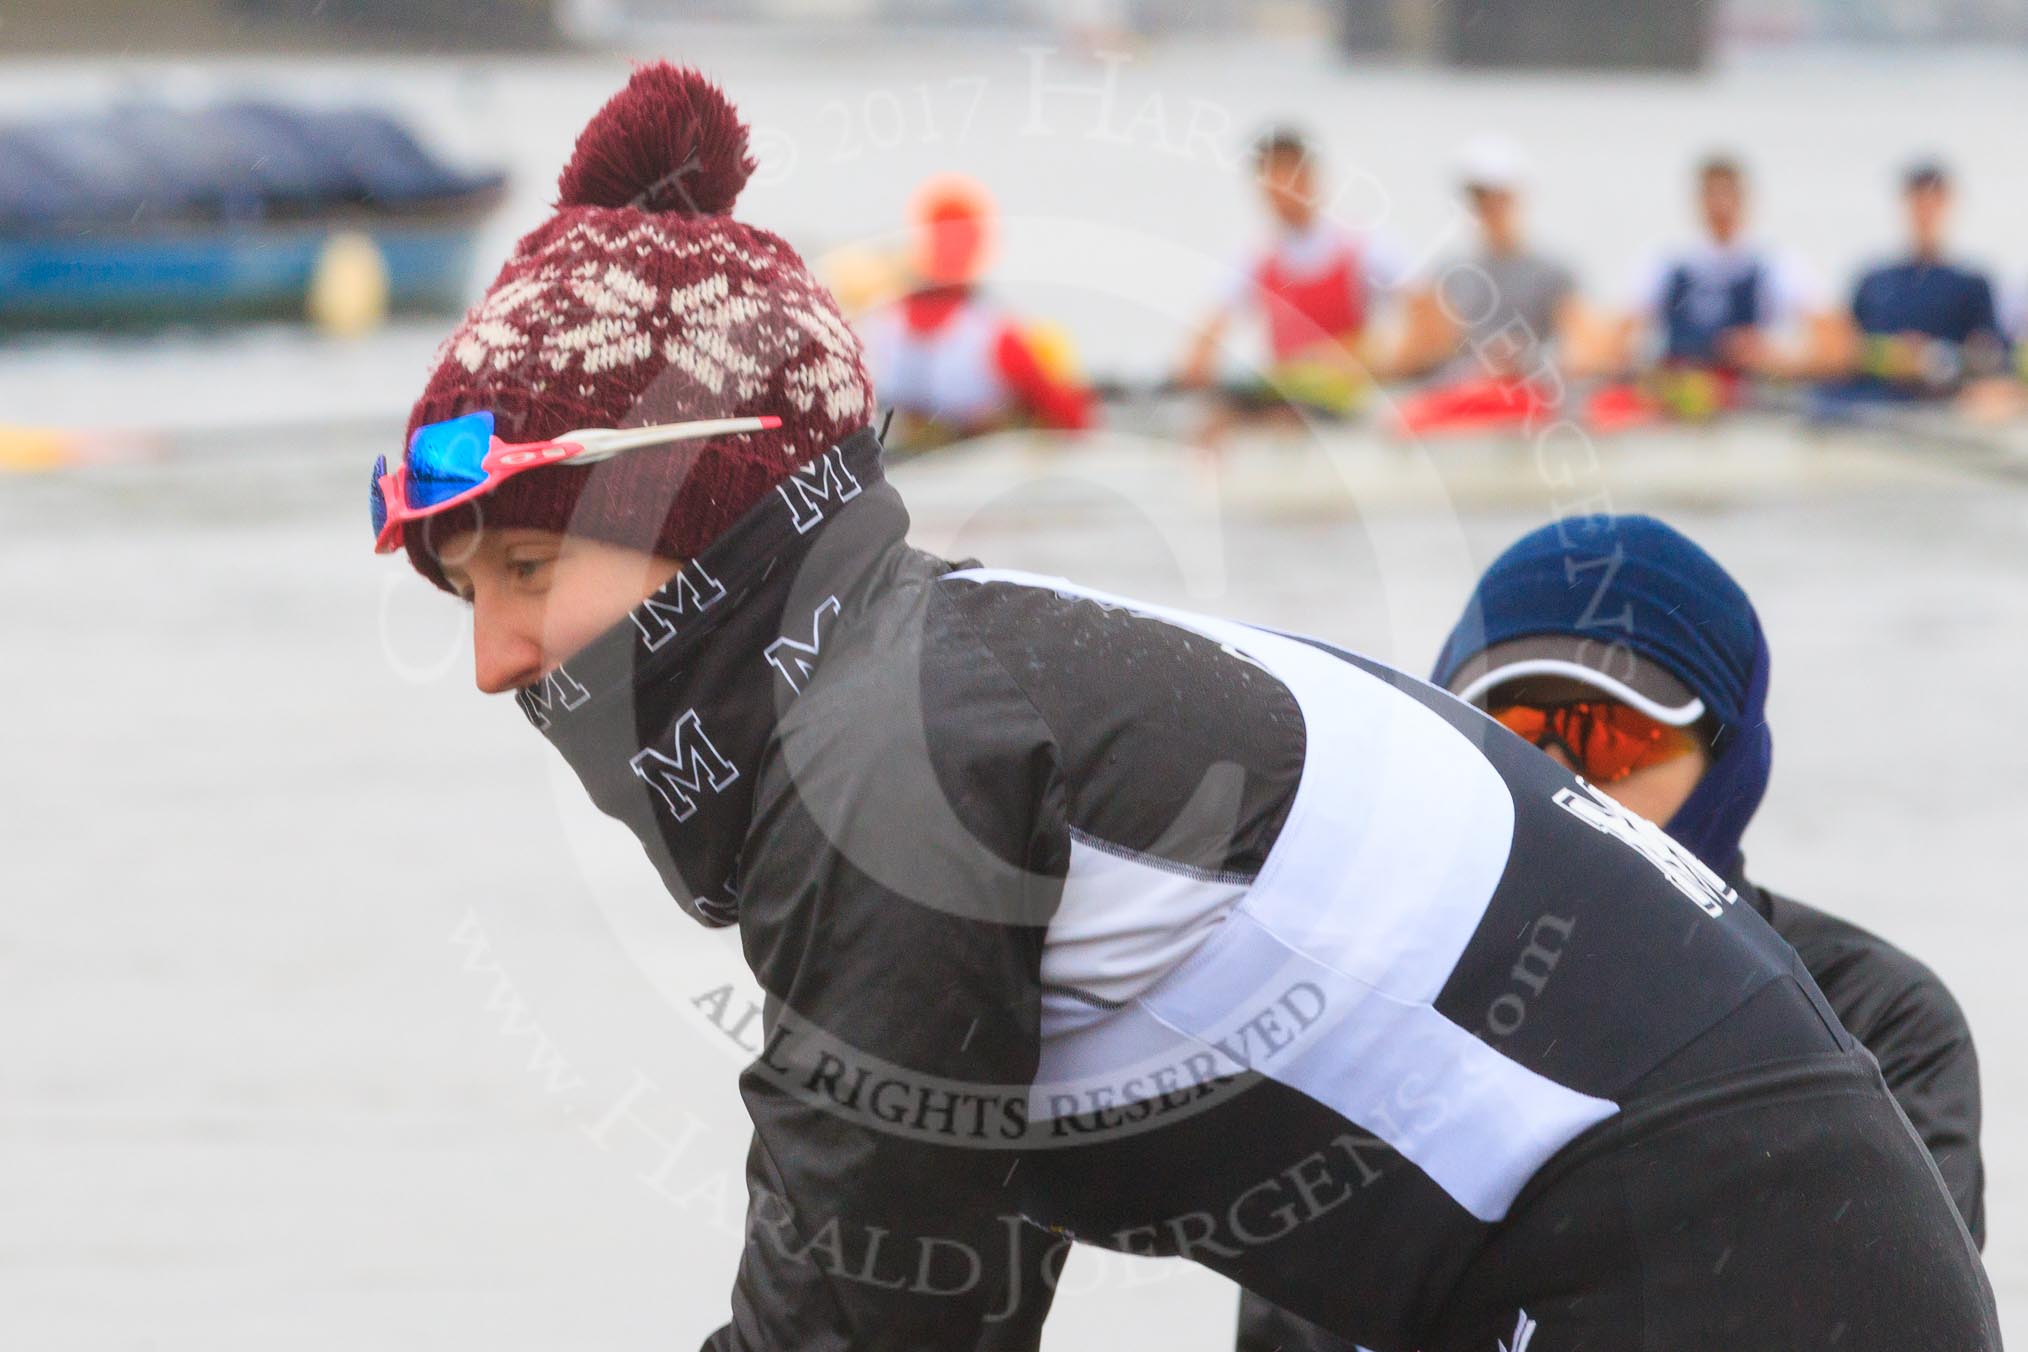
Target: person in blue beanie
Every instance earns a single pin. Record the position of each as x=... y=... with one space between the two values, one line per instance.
x=1628 y=654
x=1624 y=620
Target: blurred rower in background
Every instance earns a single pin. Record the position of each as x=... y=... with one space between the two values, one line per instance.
x=951 y=362
x=1727 y=310
x=1503 y=307
x=1929 y=327
x=1496 y=329
x=1314 y=287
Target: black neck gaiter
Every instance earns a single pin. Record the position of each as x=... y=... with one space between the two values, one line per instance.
x=665 y=717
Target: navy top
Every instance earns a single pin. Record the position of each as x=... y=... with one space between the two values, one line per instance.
x=1941 y=300
x=1697 y=310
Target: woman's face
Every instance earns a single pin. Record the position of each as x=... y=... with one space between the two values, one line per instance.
x=537 y=597
x=1656 y=792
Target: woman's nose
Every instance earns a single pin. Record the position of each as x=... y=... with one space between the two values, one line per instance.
x=505 y=652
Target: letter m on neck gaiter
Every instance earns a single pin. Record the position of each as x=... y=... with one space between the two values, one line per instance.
x=691 y=766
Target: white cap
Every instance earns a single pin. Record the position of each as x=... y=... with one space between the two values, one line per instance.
x=1492 y=162
x=1613 y=669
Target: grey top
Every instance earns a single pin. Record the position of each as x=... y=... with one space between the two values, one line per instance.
x=1505 y=308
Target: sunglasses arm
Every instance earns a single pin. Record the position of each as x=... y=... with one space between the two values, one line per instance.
x=601 y=443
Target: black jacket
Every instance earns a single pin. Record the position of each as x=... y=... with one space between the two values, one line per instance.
x=1080 y=917
x=1903 y=1013
x=1894 y=1005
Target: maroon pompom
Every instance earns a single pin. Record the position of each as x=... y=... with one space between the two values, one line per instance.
x=670 y=141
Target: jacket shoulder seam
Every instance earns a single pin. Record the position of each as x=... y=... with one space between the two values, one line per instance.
x=1229 y=877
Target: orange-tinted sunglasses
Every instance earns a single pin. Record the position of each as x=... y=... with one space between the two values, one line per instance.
x=1606 y=741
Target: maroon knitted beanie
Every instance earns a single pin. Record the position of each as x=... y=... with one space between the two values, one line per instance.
x=642 y=301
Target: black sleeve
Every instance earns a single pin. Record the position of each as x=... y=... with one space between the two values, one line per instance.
x=907 y=852
x=1175 y=746
x=1925 y=1051
x=1903 y=1013
x=1264 y=1327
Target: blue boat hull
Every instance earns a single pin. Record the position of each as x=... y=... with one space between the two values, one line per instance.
x=213 y=272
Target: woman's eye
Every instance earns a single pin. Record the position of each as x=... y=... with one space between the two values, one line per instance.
x=524 y=570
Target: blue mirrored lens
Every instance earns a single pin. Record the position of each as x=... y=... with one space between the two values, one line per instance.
x=377 y=504
x=444 y=459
